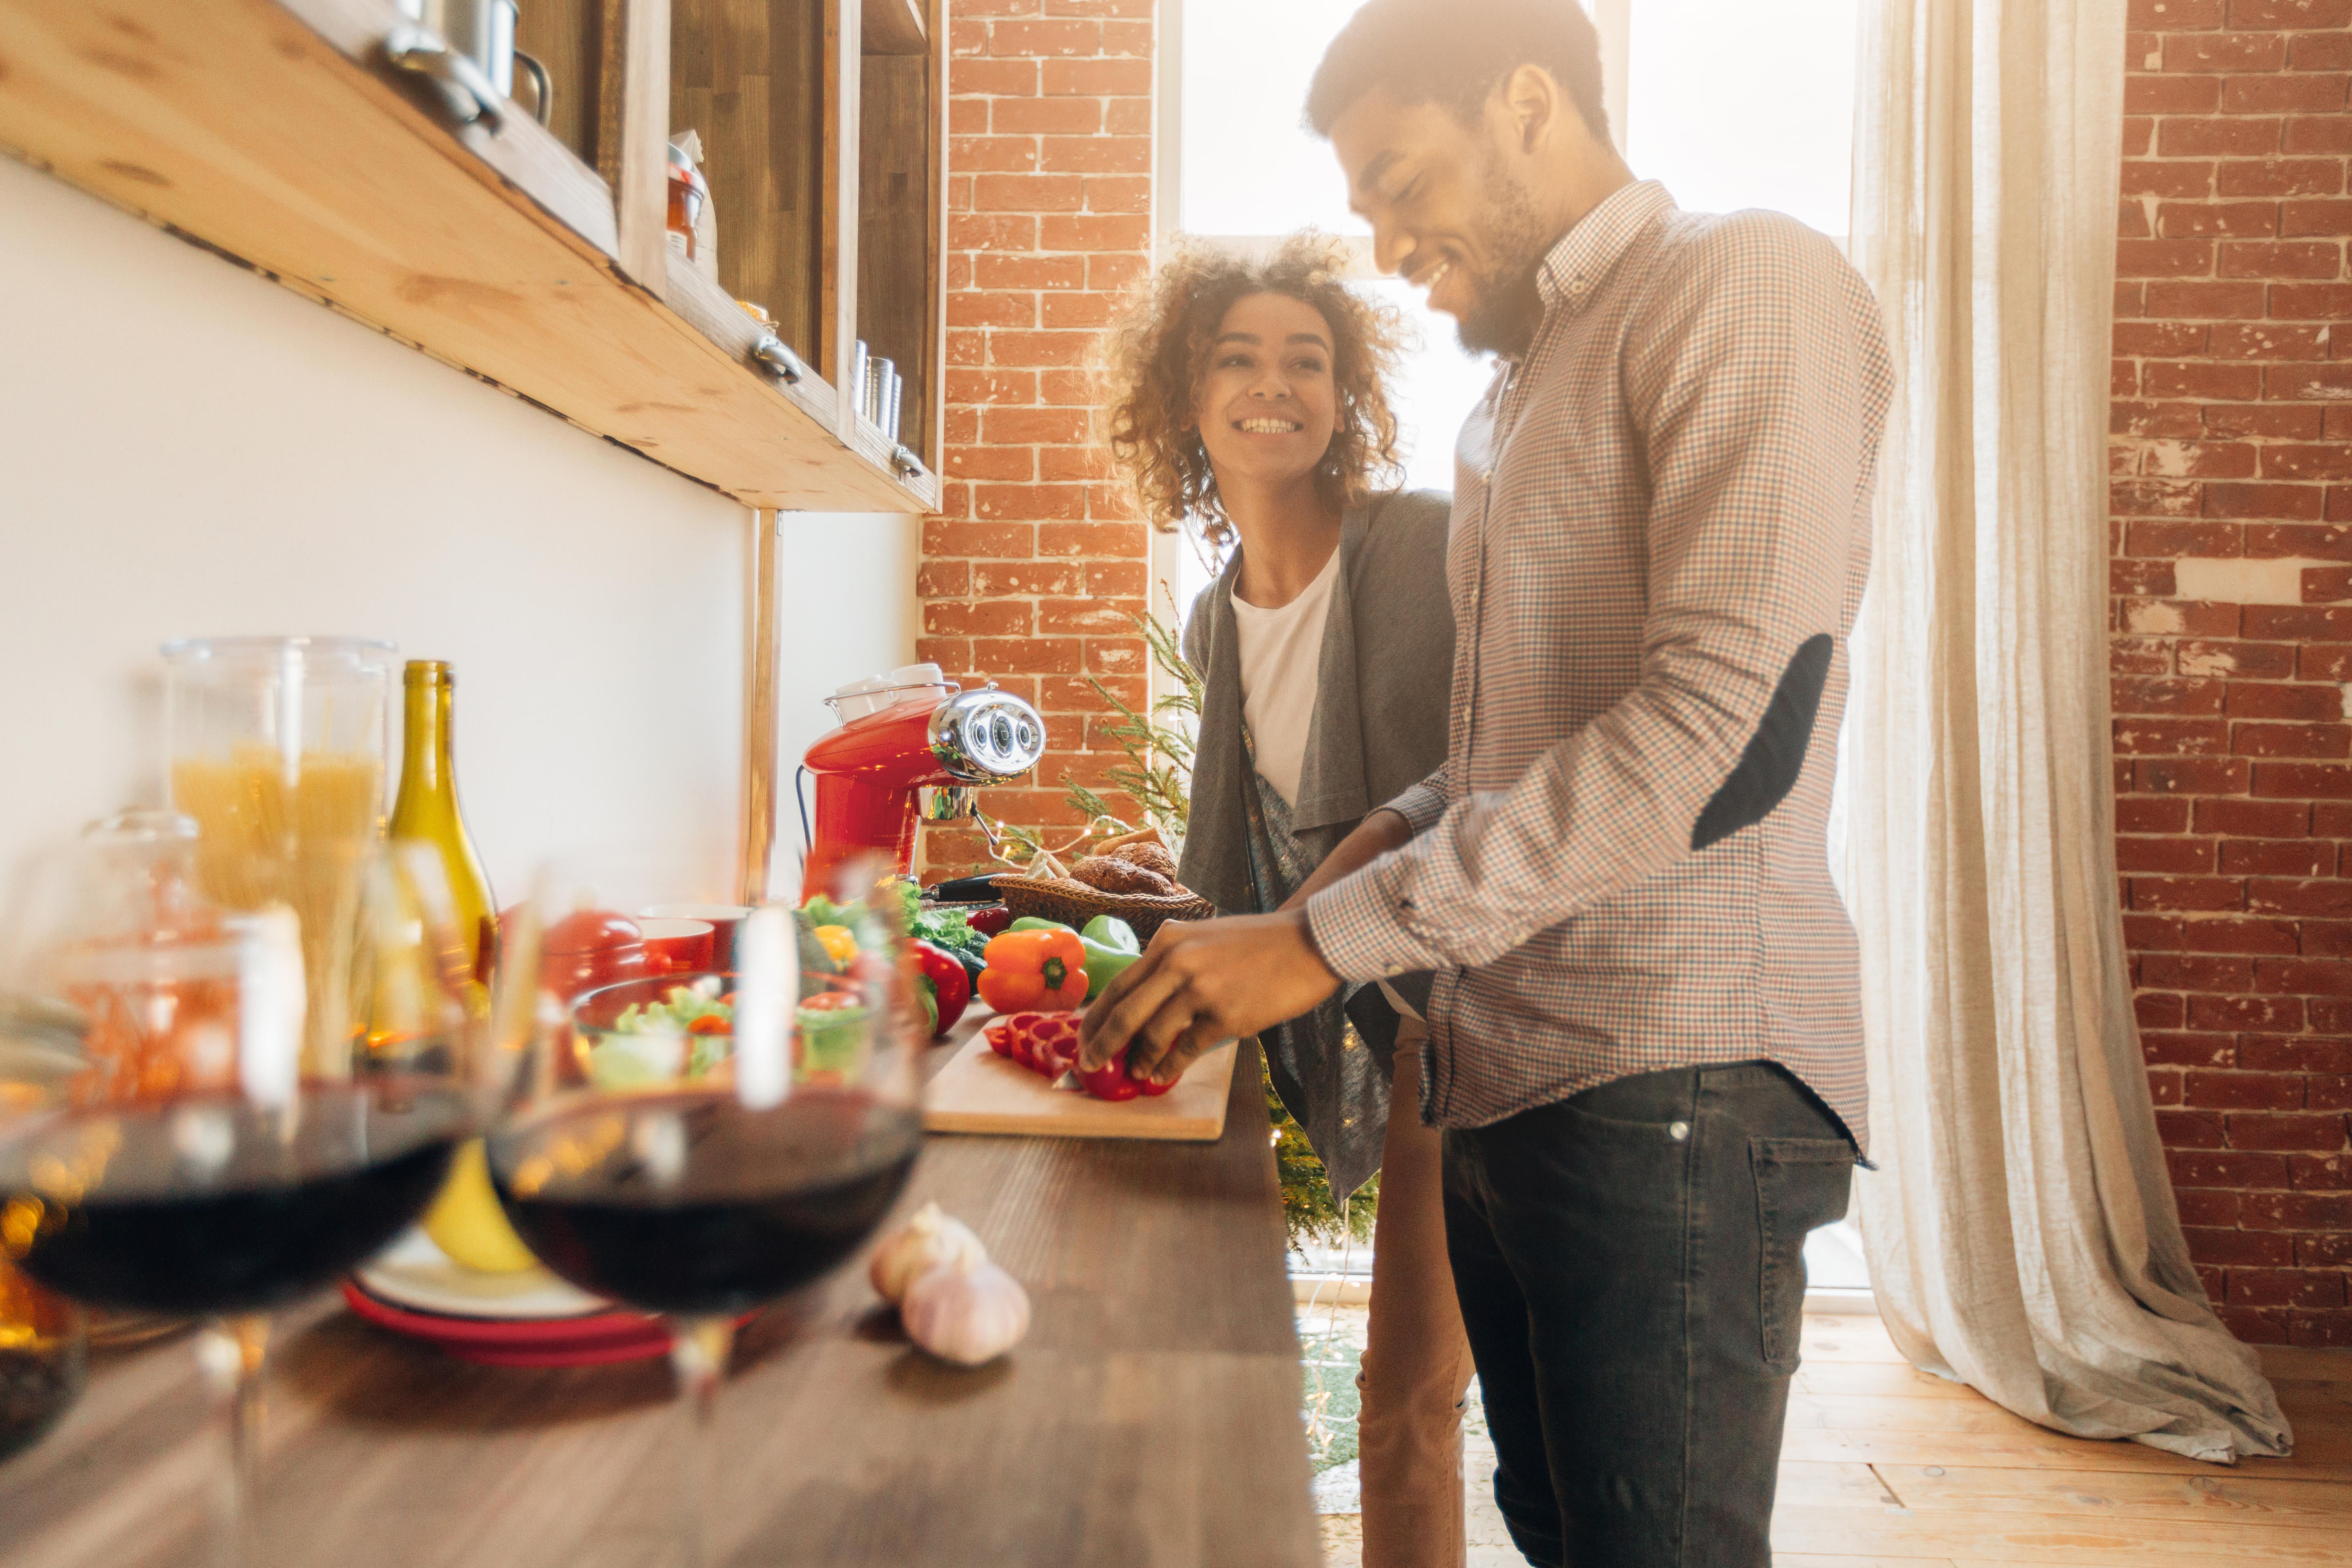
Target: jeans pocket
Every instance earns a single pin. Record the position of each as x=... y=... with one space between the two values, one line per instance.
x=1800 y=1184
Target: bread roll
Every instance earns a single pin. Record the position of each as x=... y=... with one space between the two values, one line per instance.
x=1112 y=874
x=1152 y=857
x=1107 y=875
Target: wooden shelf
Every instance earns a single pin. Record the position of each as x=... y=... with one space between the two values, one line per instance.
x=279 y=135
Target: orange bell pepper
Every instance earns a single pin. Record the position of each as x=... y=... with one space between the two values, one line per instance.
x=1034 y=971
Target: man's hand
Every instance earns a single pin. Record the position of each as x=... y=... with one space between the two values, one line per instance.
x=1200 y=984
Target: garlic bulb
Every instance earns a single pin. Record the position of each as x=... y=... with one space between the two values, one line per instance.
x=967 y=1314
x=928 y=1239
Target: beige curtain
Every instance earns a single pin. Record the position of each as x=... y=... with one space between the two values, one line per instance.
x=2022 y=1232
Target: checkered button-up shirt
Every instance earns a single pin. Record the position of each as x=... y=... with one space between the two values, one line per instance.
x=1660 y=530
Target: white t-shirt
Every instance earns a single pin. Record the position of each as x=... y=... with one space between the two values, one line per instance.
x=1282 y=660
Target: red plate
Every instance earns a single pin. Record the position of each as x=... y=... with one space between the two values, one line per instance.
x=584 y=1340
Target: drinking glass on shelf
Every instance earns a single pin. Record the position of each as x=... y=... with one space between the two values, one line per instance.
x=172 y=1145
x=697 y=1145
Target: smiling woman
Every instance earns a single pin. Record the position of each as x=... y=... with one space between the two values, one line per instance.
x=1177 y=366
x=1250 y=397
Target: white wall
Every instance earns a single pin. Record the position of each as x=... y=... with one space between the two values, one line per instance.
x=186 y=450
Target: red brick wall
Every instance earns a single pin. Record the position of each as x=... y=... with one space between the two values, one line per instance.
x=2233 y=658
x=1031 y=574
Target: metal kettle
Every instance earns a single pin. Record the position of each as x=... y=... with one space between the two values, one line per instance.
x=483 y=31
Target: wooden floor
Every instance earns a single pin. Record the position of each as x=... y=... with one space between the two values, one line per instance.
x=1886 y=1467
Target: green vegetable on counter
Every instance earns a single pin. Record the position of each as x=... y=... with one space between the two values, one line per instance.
x=832 y=1039
x=820 y=911
x=945 y=929
x=948 y=931
x=692 y=1028
x=676 y=1013
x=1110 y=948
x=1112 y=933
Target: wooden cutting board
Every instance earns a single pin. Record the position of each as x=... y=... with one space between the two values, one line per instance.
x=980 y=1092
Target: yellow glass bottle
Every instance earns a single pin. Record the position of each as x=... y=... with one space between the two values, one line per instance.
x=427 y=808
x=465 y=1221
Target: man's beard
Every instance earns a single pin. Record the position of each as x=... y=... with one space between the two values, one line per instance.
x=1505 y=303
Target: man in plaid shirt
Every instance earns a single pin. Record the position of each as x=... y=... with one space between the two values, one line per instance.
x=1645 y=1037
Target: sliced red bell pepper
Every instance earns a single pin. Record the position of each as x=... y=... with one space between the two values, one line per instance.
x=1112 y=1081
x=1045 y=1043
x=1053 y=1042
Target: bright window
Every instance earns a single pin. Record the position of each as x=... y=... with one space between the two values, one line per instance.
x=1735 y=104
x=1731 y=103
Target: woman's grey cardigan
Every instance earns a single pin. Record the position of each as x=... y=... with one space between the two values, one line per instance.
x=1380 y=727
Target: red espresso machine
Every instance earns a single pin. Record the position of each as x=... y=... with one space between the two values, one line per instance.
x=872 y=771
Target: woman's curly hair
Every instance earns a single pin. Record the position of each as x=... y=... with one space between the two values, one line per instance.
x=1157 y=353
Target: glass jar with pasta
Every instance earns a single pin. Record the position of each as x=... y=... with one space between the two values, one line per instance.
x=277 y=749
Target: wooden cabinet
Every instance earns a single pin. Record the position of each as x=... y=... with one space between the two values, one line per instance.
x=753 y=79
x=286 y=135
x=898 y=224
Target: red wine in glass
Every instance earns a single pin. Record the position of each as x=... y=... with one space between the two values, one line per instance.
x=690 y=1203
x=215 y=1204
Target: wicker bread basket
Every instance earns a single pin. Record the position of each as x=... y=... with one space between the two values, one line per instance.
x=1073 y=904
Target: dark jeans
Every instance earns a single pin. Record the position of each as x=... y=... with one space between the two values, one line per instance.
x=1630 y=1266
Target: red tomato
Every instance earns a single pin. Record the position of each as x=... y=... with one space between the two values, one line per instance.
x=589 y=947
x=589 y=931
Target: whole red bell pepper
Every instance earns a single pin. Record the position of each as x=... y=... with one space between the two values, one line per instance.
x=951 y=986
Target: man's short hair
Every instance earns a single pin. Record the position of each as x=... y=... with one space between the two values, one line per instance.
x=1455 y=53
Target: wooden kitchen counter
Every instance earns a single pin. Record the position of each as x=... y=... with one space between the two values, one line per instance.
x=1150 y=1416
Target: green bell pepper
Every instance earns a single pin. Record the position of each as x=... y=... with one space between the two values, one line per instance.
x=1113 y=933
x=1110 y=947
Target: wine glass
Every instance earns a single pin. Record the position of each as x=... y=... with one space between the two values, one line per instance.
x=695 y=1143
x=177 y=1136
